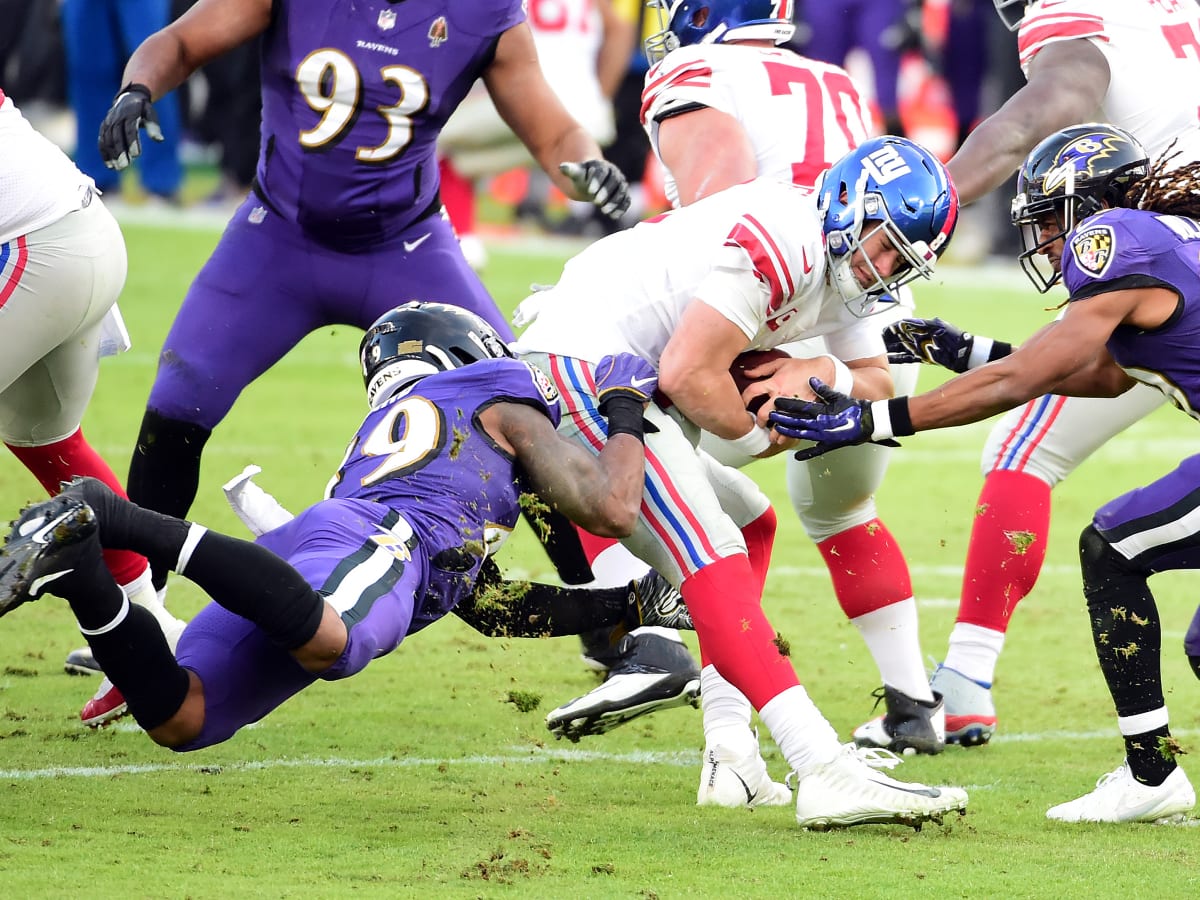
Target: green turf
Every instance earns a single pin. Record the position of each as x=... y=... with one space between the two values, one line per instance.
x=420 y=778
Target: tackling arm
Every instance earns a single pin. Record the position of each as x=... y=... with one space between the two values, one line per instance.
x=603 y=494
x=1066 y=85
x=165 y=59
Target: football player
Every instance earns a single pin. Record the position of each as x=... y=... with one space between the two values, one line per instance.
x=62 y=267
x=722 y=105
x=1123 y=240
x=351 y=577
x=345 y=203
x=751 y=267
x=1137 y=62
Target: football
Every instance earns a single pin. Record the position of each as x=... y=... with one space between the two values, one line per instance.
x=749 y=360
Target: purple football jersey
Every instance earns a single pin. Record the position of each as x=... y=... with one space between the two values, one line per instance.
x=355 y=93
x=423 y=455
x=1138 y=248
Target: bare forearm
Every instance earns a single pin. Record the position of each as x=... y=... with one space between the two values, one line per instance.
x=160 y=63
x=602 y=494
x=712 y=403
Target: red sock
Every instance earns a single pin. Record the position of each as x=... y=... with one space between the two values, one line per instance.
x=760 y=538
x=734 y=633
x=868 y=570
x=1007 y=549
x=593 y=546
x=73 y=457
x=458 y=196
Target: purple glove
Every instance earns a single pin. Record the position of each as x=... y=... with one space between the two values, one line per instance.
x=624 y=375
x=832 y=420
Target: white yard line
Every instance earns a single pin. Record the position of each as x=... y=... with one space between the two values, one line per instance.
x=681 y=758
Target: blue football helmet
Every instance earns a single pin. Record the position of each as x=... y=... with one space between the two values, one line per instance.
x=419 y=339
x=686 y=22
x=891 y=184
x=1072 y=174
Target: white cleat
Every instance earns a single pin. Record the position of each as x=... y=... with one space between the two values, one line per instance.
x=735 y=782
x=1119 y=797
x=850 y=790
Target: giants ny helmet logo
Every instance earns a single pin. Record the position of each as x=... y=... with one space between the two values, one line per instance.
x=886 y=164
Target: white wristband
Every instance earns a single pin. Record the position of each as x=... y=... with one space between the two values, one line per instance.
x=881 y=415
x=981 y=349
x=753 y=442
x=843 y=378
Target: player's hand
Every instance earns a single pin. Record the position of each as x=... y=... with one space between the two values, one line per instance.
x=600 y=182
x=624 y=375
x=929 y=341
x=833 y=420
x=119 y=141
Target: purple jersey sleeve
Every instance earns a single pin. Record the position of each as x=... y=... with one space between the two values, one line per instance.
x=355 y=93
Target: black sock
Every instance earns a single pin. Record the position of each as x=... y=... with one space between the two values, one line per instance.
x=137 y=659
x=1125 y=626
x=254 y=583
x=164 y=473
x=1151 y=755
x=126 y=526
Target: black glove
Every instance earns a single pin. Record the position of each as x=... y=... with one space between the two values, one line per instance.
x=940 y=343
x=119 y=140
x=833 y=420
x=601 y=182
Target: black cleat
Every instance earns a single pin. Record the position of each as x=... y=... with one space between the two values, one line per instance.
x=39 y=548
x=655 y=601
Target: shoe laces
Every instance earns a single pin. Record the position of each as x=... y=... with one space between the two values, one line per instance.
x=879 y=695
x=1120 y=773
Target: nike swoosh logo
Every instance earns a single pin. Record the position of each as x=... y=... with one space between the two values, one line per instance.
x=410 y=246
x=35 y=588
x=638 y=382
x=901 y=786
x=804 y=256
x=745 y=787
x=38 y=534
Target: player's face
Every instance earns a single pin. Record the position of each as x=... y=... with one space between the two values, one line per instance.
x=878 y=251
x=1051 y=232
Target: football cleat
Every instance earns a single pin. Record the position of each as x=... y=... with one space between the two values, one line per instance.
x=82 y=662
x=1119 y=797
x=38 y=550
x=652 y=673
x=655 y=601
x=599 y=649
x=851 y=790
x=734 y=781
x=970 y=714
x=908 y=726
x=107 y=705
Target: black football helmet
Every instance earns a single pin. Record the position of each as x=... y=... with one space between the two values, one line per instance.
x=1071 y=175
x=1011 y=12
x=419 y=339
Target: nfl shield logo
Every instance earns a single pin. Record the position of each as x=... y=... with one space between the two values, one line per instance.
x=387 y=19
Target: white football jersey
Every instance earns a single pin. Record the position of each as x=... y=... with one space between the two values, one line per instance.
x=800 y=115
x=754 y=252
x=1153 y=53
x=38 y=182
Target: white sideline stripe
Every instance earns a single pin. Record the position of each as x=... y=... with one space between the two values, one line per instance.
x=682 y=758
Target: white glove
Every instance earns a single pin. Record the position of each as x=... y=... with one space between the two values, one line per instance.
x=258 y=510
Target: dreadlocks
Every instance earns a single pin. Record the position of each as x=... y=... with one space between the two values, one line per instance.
x=1168 y=191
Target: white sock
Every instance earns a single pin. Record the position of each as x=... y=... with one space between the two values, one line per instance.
x=892 y=637
x=141 y=591
x=974 y=651
x=726 y=713
x=804 y=736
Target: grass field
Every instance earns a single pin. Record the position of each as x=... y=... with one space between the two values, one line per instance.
x=421 y=778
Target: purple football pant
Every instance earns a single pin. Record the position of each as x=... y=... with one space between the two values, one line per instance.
x=839 y=27
x=346 y=551
x=267 y=285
